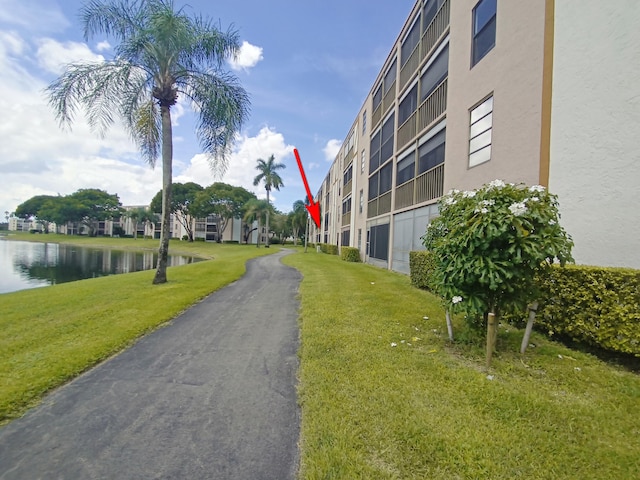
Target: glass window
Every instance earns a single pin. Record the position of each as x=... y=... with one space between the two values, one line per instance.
x=386 y=173
x=364 y=122
x=362 y=162
x=390 y=77
x=480 y=132
x=484 y=29
x=431 y=153
x=435 y=74
x=408 y=105
x=374 y=152
x=379 y=242
x=373 y=186
x=411 y=42
x=377 y=98
x=406 y=169
x=361 y=200
x=386 y=150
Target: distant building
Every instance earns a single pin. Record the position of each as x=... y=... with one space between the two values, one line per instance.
x=541 y=92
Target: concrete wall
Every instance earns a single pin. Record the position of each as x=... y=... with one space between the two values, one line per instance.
x=595 y=128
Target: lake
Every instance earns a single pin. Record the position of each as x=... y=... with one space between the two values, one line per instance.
x=30 y=264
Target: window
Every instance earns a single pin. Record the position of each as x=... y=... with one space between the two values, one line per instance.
x=386 y=150
x=410 y=42
x=348 y=175
x=390 y=77
x=361 y=200
x=431 y=8
x=435 y=74
x=480 y=133
x=408 y=105
x=431 y=153
x=377 y=98
x=379 y=242
x=346 y=206
x=345 y=238
x=364 y=123
x=406 y=169
x=359 y=239
x=362 y=159
x=386 y=173
x=374 y=152
x=373 y=186
x=484 y=29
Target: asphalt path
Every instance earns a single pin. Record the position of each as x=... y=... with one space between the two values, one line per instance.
x=210 y=396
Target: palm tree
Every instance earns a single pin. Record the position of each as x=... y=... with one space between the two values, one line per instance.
x=256 y=210
x=162 y=54
x=269 y=176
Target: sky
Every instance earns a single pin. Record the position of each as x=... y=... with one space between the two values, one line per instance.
x=306 y=65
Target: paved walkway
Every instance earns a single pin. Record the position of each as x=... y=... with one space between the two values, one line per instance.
x=211 y=396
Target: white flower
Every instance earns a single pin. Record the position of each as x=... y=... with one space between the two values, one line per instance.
x=533 y=199
x=490 y=377
x=552 y=222
x=518 y=208
x=496 y=184
x=456 y=299
x=453 y=191
x=394 y=344
x=537 y=188
x=469 y=194
x=481 y=210
x=449 y=201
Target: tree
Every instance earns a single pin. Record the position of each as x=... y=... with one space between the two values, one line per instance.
x=182 y=199
x=162 y=54
x=95 y=206
x=281 y=226
x=297 y=219
x=224 y=201
x=490 y=244
x=269 y=176
x=31 y=210
x=255 y=210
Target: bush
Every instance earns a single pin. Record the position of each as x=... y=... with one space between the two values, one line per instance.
x=274 y=241
x=595 y=305
x=422 y=266
x=329 y=248
x=350 y=254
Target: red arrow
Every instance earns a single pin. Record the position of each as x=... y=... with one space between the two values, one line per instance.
x=313 y=208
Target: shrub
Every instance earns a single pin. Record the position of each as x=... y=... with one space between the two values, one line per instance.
x=422 y=266
x=329 y=248
x=595 y=305
x=274 y=241
x=350 y=254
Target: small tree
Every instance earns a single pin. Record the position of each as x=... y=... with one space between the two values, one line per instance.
x=489 y=245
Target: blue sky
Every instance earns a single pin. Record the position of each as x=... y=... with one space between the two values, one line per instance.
x=307 y=66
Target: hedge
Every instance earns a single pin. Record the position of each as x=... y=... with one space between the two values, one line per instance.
x=421 y=266
x=350 y=254
x=594 y=305
x=329 y=248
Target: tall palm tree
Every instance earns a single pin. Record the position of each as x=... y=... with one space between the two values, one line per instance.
x=256 y=210
x=162 y=54
x=269 y=176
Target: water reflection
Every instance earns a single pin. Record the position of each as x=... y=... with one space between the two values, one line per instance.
x=26 y=264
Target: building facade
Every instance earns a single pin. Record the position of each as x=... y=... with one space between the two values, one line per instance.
x=544 y=92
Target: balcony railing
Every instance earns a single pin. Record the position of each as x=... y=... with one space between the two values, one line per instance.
x=430 y=184
x=405 y=194
x=389 y=97
x=433 y=107
x=384 y=203
x=372 y=208
x=346 y=219
x=376 y=117
x=434 y=31
x=347 y=189
x=410 y=67
x=407 y=131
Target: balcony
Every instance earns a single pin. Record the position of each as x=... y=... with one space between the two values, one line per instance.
x=346 y=219
x=433 y=106
x=435 y=30
x=346 y=190
x=410 y=67
x=389 y=97
x=407 y=131
x=405 y=194
x=430 y=184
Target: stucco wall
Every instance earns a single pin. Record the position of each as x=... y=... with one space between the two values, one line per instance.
x=512 y=70
x=595 y=128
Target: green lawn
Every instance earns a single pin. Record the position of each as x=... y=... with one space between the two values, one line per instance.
x=424 y=409
x=421 y=409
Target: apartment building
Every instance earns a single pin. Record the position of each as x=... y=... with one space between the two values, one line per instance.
x=541 y=92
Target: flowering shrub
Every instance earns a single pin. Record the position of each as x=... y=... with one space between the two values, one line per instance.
x=490 y=243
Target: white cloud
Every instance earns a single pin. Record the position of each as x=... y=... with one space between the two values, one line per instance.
x=53 y=55
x=102 y=46
x=242 y=161
x=313 y=165
x=248 y=57
x=37 y=16
x=331 y=149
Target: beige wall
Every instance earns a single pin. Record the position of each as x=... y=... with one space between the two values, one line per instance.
x=512 y=70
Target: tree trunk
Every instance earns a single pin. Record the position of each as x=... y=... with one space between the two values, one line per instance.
x=135 y=230
x=306 y=235
x=165 y=230
x=266 y=243
x=533 y=308
x=492 y=331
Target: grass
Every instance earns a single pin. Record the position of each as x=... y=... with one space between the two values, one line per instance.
x=426 y=409
x=51 y=334
x=423 y=409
